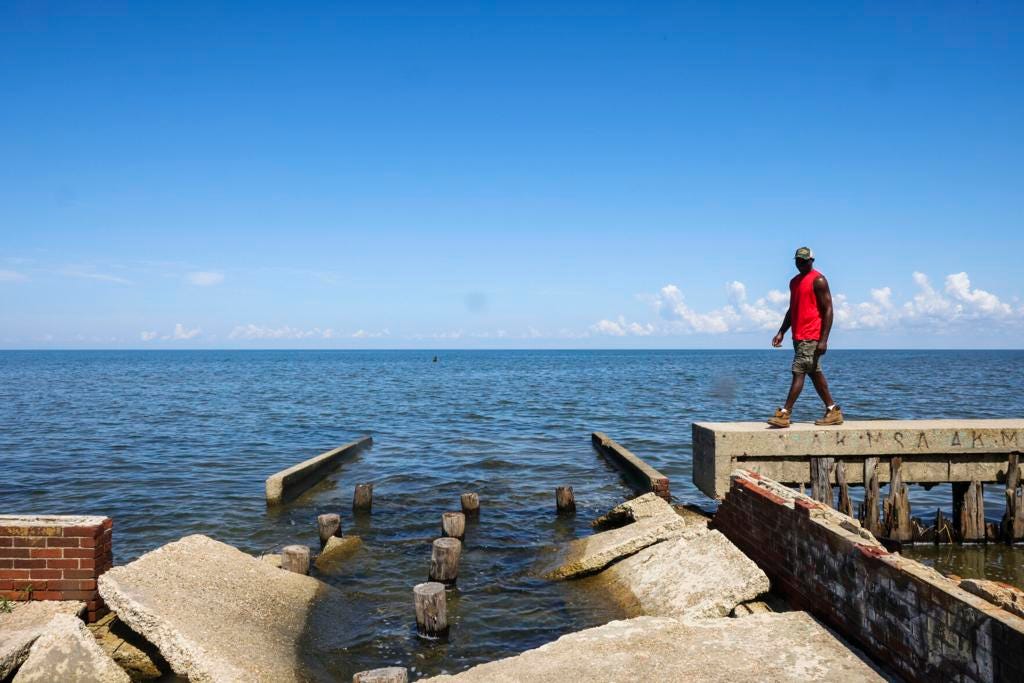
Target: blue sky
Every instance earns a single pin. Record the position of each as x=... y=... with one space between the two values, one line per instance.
x=514 y=175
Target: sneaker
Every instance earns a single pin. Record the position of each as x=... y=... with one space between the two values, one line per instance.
x=833 y=416
x=781 y=418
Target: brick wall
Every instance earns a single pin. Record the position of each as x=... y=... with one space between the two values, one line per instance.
x=899 y=611
x=55 y=558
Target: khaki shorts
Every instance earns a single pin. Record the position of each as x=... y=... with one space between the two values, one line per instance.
x=805 y=356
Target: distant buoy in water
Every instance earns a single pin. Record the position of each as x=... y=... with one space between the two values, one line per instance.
x=435 y=359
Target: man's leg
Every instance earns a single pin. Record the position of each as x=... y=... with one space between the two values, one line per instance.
x=794 y=390
x=821 y=386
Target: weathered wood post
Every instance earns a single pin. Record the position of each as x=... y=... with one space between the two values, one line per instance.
x=1013 y=518
x=821 y=480
x=431 y=610
x=972 y=514
x=391 y=674
x=470 y=504
x=898 y=526
x=565 y=501
x=328 y=525
x=943 y=529
x=362 y=498
x=845 y=505
x=444 y=560
x=295 y=558
x=871 y=494
x=453 y=524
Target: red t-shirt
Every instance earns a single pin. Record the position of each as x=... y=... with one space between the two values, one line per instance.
x=803 y=307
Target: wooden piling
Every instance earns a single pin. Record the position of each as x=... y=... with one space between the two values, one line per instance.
x=1013 y=518
x=453 y=524
x=565 y=501
x=944 y=532
x=295 y=558
x=972 y=514
x=362 y=498
x=898 y=526
x=328 y=525
x=470 y=504
x=431 y=610
x=845 y=505
x=444 y=560
x=391 y=674
x=821 y=480
x=871 y=493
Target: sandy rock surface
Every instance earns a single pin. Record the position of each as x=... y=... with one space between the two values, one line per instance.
x=687 y=578
x=1008 y=597
x=764 y=647
x=642 y=507
x=140 y=659
x=67 y=652
x=26 y=622
x=334 y=554
x=593 y=553
x=218 y=614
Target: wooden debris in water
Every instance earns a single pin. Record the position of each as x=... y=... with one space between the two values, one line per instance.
x=295 y=558
x=565 y=501
x=1013 y=519
x=845 y=505
x=821 y=480
x=328 y=525
x=470 y=504
x=391 y=674
x=897 y=506
x=972 y=513
x=444 y=560
x=944 y=531
x=869 y=518
x=431 y=610
x=453 y=524
x=362 y=498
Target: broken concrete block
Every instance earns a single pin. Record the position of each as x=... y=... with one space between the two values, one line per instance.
x=594 y=553
x=218 y=614
x=336 y=552
x=67 y=652
x=641 y=507
x=696 y=578
x=764 y=647
x=26 y=621
x=1001 y=595
x=139 y=658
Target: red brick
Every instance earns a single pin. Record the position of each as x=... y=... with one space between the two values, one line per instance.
x=29 y=542
x=84 y=596
x=62 y=564
x=79 y=574
x=66 y=585
x=87 y=564
x=5 y=542
x=6 y=585
x=70 y=553
x=30 y=564
x=33 y=585
x=12 y=595
x=46 y=595
x=46 y=574
x=82 y=531
x=6 y=564
x=30 y=531
x=86 y=542
x=15 y=552
x=14 y=573
x=45 y=553
x=61 y=542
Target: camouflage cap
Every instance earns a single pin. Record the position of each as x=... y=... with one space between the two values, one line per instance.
x=804 y=253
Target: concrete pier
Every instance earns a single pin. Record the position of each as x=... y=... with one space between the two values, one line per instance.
x=289 y=483
x=933 y=451
x=648 y=479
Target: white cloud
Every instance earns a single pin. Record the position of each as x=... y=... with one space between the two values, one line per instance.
x=251 y=331
x=180 y=333
x=147 y=336
x=363 y=334
x=88 y=273
x=205 y=278
x=12 y=276
x=937 y=310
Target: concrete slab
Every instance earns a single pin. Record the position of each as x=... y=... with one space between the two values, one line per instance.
x=289 y=483
x=933 y=451
x=763 y=647
x=591 y=554
x=26 y=621
x=218 y=614
x=67 y=652
x=698 y=578
x=646 y=477
x=334 y=554
x=642 y=507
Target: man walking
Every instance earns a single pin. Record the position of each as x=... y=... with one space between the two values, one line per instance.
x=810 y=316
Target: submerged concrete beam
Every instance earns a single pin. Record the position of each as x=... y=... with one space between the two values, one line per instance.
x=648 y=478
x=933 y=451
x=289 y=483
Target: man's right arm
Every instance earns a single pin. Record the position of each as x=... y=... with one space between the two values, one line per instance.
x=786 y=322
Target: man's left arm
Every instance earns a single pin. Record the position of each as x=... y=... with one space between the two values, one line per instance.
x=824 y=298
